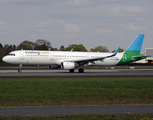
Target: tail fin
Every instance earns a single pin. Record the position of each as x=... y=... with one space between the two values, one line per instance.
x=136 y=44
x=132 y=53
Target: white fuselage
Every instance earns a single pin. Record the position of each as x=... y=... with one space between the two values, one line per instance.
x=33 y=57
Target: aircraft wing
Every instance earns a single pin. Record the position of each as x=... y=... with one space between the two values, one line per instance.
x=84 y=61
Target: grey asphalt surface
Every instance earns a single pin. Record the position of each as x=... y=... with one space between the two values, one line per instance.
x=87 y=73
x=123 y=109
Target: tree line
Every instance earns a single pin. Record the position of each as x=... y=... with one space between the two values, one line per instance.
x=42 y=44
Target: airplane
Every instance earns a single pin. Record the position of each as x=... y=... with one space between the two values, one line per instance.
x=68 y=60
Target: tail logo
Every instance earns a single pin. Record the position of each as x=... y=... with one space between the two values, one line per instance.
x=124 y=58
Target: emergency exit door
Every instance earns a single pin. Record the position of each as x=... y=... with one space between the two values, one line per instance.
x=21 y=55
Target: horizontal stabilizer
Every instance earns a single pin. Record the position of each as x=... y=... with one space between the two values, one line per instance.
x=137 y=58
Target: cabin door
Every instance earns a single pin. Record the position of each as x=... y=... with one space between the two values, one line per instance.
x=87 y=55
x=51 y=56
x=21 y=55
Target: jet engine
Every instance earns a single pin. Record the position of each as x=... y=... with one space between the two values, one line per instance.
x=54 y=66
x=68 y=65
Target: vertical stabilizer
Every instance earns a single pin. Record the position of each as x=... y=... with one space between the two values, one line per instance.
x=136 y=44
x=132 y=53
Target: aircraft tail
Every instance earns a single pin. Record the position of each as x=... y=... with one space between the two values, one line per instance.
x=132 y=53
x=136 y=44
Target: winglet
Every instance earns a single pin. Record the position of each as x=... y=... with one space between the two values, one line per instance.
x=72 y=50
x=116 y=51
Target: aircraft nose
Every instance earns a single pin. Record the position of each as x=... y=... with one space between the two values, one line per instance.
x=4 y=59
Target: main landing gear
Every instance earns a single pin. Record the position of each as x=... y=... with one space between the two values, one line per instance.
x=20 y=70
x=71 y=70
x=80 y=70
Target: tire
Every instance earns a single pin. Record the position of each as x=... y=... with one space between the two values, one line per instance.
x=71 y=70
x=81 y=70
x=19 y=70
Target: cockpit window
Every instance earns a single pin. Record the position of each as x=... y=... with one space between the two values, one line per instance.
x=11 y=54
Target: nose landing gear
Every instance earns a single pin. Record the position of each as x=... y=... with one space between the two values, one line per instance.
x=20 y=70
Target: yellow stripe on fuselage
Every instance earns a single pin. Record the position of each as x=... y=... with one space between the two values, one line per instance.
x=44 y=52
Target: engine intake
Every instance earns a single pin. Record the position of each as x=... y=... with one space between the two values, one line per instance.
x=67 y=65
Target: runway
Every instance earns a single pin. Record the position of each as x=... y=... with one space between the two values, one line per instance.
x=64 y=110
x=87 y=73
x=71 y=110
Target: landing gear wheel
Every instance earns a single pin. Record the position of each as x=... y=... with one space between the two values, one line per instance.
x=81 y=70
x=19 y=70
x=71 y=70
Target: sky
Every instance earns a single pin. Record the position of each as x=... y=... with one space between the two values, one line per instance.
x=110 y=23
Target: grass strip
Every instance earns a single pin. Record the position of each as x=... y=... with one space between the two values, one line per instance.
x=84 y=117
x=75 y=91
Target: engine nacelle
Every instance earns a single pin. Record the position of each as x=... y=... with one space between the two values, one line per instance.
x=68 y=65
x=54 y=66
